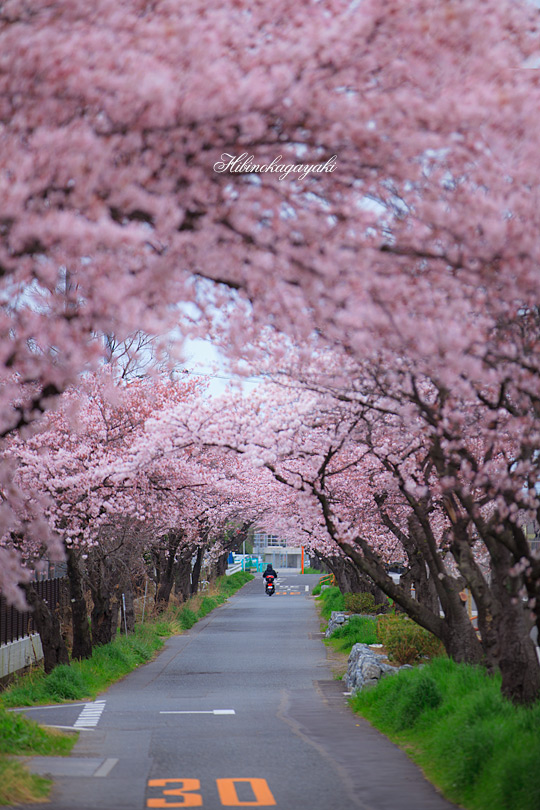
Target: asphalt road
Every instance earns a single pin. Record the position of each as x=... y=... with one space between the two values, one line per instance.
x=242 y=711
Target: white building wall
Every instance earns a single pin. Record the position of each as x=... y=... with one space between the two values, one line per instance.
x=20 y=654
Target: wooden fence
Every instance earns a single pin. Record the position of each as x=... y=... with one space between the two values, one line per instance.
x=15 y=624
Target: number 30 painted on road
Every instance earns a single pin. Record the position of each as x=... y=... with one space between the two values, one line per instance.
x=186 y=792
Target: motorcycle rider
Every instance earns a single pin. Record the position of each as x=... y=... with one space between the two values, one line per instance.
x=269 y=573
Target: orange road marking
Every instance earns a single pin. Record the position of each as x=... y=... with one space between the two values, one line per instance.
x=188 y=799
x=229 y=796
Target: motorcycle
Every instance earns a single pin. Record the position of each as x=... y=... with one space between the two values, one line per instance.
x=270 y=587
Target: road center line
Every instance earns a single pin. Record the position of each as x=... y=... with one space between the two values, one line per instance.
x=202 y=711
x=106 y=767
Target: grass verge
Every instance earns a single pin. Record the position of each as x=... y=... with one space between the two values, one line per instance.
x=475 y=746
x=21 y=736
x=84 y=680
x=17 y=786
x=331 y=599
x=358 y=630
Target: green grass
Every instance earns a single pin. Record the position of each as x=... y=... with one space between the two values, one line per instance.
x=229 y=585
x=80 y=681
x=86 y=679
x=187 y=618
x=18 y=735
x=478 y=748
x=331 y=599
x=358 y=630
x=17 y=786
x=310 y=570
x=208 y=603
x=21 y=736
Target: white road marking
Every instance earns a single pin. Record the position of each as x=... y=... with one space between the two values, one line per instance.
x=66 y=728
x=307 y=588
x=106 y=767
x=205 y=711
x=90 y=714
x=54 y=706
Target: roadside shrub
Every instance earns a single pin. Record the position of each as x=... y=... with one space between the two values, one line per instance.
x=85 y=679
x=234 y=581
x=358 y=630
x=21 y=736
x=316 y=589
x=332 y=599
x=187 y=618
x=405 y=641
x=17 y=786
x=362 y=603
x=416 y=697
x=163 y=627
x=66 y=683
x=403 y=699
x=208 y=604
x=477 y=747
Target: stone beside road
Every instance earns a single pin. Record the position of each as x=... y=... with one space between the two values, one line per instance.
x=338 y=619
x=366 y=667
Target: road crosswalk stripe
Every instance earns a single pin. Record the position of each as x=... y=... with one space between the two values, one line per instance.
x=90 y=714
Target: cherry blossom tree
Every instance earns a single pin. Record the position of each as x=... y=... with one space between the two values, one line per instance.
x=415 y=257
x=73 y=461
x=364 y=482
x=109 y=185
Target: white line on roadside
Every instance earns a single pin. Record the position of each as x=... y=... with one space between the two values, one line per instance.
x=202 y=711
x=57 y=706
x=106 y=767
x=66 y=728
x=90 y=714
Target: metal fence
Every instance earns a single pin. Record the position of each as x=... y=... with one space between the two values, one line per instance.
x=15 y=624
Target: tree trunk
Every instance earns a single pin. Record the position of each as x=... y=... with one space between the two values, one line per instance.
x=219 y=567
x=164 y=593
x=102 y=612
x=457 y=635
x=424 y=586
x=351 y=579
x=196 y=572
x=504 y=627
x=125 y=610
x=115 y=614
x=48 y=626
x=316 y=561
x=502 y=619
x=82 y=642
x=182 y=580
x=167 y=569
x=130 y=606
x=102 y=618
